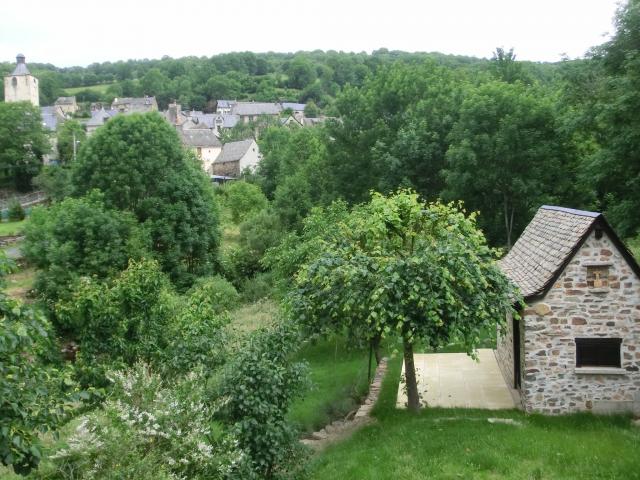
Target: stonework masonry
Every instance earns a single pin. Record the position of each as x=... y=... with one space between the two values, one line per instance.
x=575 y=308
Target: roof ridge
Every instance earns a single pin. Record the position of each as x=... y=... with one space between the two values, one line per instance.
x=572 y=211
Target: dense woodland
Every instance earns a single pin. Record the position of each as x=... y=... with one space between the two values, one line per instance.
x=429 y=167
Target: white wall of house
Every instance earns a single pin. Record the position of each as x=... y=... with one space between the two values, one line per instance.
x=207 y=156
x=251 y=158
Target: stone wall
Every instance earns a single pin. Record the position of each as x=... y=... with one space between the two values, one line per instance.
x=574 y=309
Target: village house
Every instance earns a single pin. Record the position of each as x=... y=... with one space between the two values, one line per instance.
x=68 y=105
x=224 y=106
x=251 y=111
x=236 y=157
x=577 y=344
x=135 y=105
x=204 y=143
x=98 y=118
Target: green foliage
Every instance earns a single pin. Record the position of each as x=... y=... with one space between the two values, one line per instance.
x=243 y=200
x=293 y=172
x=55 y=181
x=68 y=132
x=141 y=166
x=259 y=386
x=16 y=212
x=124 y=320
x=148 y=429
x=31 y=394
x=219 y=293
x=79 y=237
x=421 y=271
x=258 y=287
x=614 y=169
x=507 y=132
x=23 y=142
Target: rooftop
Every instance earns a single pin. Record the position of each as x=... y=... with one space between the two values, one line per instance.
x=233 y=151
x=544 y=247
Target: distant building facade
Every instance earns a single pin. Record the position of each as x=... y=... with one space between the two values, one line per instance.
x=68 y=105
x=235 y=158
x=135 y=105
x=21 y=86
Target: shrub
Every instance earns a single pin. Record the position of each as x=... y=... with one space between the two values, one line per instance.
x=79 y=237
x=243 y=200
x=16 y=212
x=217 y=291
x=149 y=429
x=123 y=320
x=258 y=287
x=31 y=400
x=259 y=386
x=199 y=338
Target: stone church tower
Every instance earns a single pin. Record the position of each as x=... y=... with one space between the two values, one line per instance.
x=21 y=86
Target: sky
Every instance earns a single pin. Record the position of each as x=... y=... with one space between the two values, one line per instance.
x=80 y=32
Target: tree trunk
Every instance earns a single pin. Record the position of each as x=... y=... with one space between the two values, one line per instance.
x=375 y=344
x=413 y=400
x=507 y=225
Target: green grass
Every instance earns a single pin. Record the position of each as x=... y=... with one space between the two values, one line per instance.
x=457 y=443
x=11 y=228
x=339 y=377
x=102 y=88
x=251 y=316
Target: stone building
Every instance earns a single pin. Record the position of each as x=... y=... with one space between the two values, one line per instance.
x=20 y=85
x=204 y=143
x=235 y=158
x=68 y=105
x=576 y=346
x=135 y=105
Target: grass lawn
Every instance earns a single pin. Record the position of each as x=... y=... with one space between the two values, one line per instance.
x=102 y=88
x=11 y=228
x=20 y=282
x=253 y=315
x=339 y=377
x=457 y=443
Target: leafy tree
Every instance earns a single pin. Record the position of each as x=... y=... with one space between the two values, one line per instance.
x=422 y=271
x=23 y=142
x=141 y=166
x=79 y=237
x=614 y=169
x=301 y=72
x=68 y=132
x=55 y=181
x=16 y=212
x=505 y=67
x=31 y=398
x=243 y=200
x=122 y=320
x=311 y=110
x=507 y=156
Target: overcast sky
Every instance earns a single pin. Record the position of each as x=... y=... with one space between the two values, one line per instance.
x=69 y=32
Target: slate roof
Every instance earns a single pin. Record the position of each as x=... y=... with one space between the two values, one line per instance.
x=225 y=103
x=229 y=120
x=98 y=117
x=233 y=151
x=133 y=101
x=200 y=138
x=21 y=66
x=544 y=247
x=49 y=117
x=256 y=108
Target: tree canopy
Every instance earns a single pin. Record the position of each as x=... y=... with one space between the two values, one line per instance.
x=139 y=164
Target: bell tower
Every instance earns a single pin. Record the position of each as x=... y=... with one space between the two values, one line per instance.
x=21 y=86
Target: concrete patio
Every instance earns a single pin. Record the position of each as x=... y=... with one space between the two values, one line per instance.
x=455 y=380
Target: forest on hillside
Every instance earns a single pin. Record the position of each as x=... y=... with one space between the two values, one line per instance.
x=197 y=82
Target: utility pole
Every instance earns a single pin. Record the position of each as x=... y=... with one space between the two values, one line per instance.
x=74 y=147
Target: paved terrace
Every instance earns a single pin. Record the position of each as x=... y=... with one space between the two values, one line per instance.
x=455 y=380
